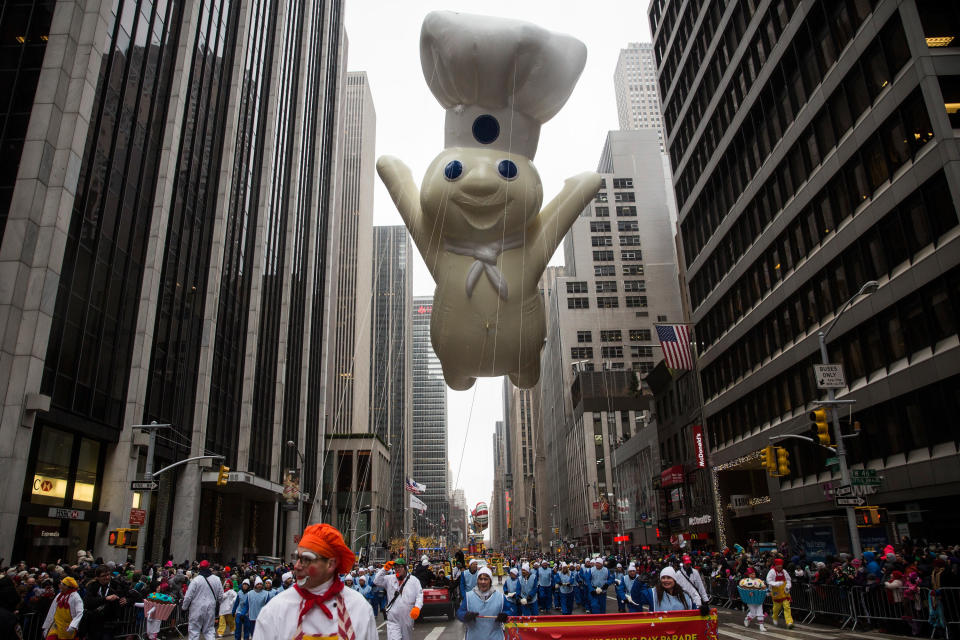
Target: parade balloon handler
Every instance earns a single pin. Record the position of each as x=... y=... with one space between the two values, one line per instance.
x=667 y=595
x=482 y=609
x=404 y=599
x=499 y=80
x=318 y=605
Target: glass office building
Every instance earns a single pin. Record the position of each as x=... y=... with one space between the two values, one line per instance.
x=164 y=198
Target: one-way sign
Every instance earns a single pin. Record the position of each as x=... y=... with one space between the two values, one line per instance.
x=143 y=485
x=855 y=501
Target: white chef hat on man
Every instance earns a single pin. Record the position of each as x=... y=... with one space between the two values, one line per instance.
x=498 y=79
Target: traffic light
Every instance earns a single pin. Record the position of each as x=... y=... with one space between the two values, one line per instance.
x=783 y=462
x=224 y=475
x=121 y=538
x=819 y=427
x=112 y=536
x=769 y=460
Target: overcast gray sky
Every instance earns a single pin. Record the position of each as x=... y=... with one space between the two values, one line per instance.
x=384 y=41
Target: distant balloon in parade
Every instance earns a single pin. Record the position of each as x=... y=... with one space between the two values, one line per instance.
x=477 y=219
x=480 y=517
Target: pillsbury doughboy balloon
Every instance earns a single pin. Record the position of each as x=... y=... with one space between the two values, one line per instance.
x=477 y=219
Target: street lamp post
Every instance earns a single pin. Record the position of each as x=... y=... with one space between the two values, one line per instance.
x=303 y=464
x=867 y=289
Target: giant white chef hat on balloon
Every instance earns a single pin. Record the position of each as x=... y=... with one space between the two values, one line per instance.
x=498 y=79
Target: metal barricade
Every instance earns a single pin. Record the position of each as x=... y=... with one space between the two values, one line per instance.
x=30 y=626
x=800 y=600
x=832 y=601
x=883 y=607
x=719 y=593
x=943 y=608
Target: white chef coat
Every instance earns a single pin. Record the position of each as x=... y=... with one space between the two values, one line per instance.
x=399 y=622
x=201 y=602
x=278 y=618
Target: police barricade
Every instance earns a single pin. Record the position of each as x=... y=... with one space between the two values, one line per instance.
x=153 y=620
x=717 y=588
x=943 y=609
x=800 y=600
x=832 y=601
x=660 y=625
x=31 y=626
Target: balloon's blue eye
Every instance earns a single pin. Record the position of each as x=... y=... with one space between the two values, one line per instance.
x=507 y=169
x=453 y=170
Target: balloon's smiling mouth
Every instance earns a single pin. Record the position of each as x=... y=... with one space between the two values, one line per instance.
x=481 y=213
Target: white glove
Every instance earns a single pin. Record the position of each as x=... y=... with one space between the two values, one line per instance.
x=523 y=601
x=511 y=594
x=598 y=591
x=630 y=600
x=556 y=586
x=617 y=581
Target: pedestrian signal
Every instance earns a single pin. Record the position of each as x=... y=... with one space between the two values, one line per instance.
x=769 y=460
x=112 y=537
x=871 y=516
x=130 y=538
x=783 y=462
x=224 y=475
x=819 y=427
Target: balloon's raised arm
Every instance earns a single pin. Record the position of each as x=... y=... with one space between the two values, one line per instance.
x=406 y=196
x=559 y=214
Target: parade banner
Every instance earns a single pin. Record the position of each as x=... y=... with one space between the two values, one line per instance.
x=663 y=625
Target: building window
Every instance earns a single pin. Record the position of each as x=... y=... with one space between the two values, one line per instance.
x=603 y=256
x=634 y=285
x=636 y=301
x=616 y=365
x=600 y=226
x=578 y=303
x=608 y=302
x=604 y=270
x=584 y=336
x=601 y=212
x=611 y=335
x=628 y=225
x=631 y=255
x=627 y=211
x=612 y=352
x=633 y=269
x=661 y=318
x=601 y=197
x=623 y=183
x=581 y=353
x=630 y=241
x=624 y=196
x=606 y=286
x=601 y=241
x=577 y=286
x=640 y=351
x=640 y=335
x=642 y=367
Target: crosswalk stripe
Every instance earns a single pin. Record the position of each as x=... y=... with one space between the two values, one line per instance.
x=788 y=635
x=797 y=630
x=435 y=633
x=733 y=634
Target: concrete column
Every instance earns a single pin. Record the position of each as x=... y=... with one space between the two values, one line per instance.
x=186 y=514
x=293 y=529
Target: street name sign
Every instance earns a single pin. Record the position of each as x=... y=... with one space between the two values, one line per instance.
x=833 y=461
x=143 y=485
x=868 y=482
x=853 y=501
x=829 y=376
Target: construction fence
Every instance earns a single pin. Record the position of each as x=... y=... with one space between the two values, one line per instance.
x=922 y=611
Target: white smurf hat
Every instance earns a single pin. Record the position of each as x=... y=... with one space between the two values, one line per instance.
x=498 y=79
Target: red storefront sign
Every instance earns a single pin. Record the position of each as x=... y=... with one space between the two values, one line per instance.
x=661 y=625
x=672 y=476
x=699 y=448
x=621 y=539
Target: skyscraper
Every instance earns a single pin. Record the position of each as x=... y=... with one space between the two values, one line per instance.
x=391 y=385
x=811 y=146
x=635 y=84
x=430 y=459
x=164 y=224
x=620 y=279
x=349 y=399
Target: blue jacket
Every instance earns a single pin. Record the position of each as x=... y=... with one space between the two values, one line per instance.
x=644 y=595
x=240 y=604
x=256 y=601
x=600 y=578
x=528 y=587
x=567 y=582
x=545 y=577
x=485 y=627
x=468 y=581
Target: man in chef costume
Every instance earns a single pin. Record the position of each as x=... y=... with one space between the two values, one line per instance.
x=318 y=606
x=404 y=598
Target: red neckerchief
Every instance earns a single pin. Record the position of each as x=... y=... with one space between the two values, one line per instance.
x=310 y=599
x=63 y=599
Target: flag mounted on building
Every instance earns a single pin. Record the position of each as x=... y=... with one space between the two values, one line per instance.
x=675 y=342
x=417 y=503
x=415 y=487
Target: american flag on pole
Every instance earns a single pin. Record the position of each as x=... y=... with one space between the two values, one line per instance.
x=415 y=487
x=675 y=342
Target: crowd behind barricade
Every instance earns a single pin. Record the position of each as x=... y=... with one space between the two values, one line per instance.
x=911 y=589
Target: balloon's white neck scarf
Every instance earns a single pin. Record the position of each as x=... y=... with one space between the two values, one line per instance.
x=485 y=260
